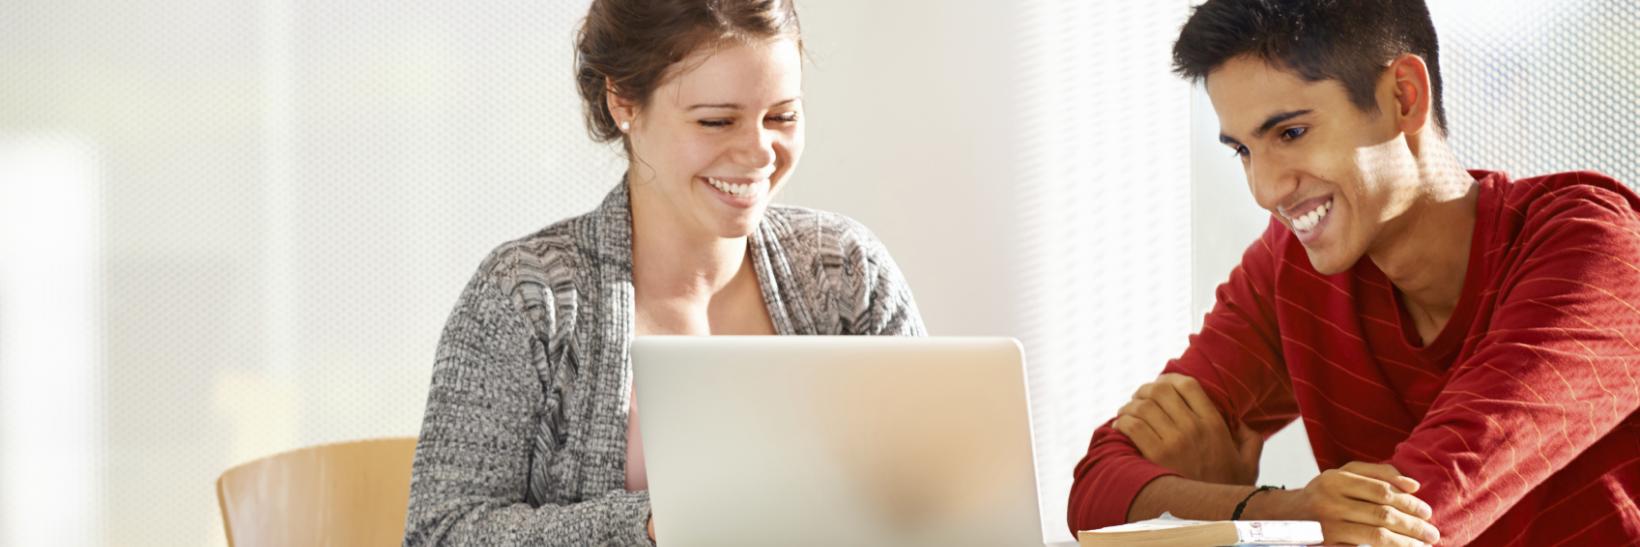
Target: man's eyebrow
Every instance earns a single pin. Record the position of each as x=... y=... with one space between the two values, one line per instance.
x=1277 y=118
x=1226 y=139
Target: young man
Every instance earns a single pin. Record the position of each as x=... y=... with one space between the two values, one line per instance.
x=1461 y=347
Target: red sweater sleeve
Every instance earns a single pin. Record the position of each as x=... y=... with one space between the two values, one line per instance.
x=1555 y=373
x=1236 y=358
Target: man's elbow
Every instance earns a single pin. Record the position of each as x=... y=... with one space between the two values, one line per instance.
x=1081 y=513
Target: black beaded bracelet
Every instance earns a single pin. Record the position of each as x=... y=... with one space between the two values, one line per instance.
x=1243 y=505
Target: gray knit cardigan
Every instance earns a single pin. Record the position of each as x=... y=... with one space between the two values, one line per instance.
x=524 y=440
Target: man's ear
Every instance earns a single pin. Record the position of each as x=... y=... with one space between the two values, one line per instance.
x=622 y=109
x=1412 y=94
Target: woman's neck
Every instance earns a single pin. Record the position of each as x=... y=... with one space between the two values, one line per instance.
x=673 y=258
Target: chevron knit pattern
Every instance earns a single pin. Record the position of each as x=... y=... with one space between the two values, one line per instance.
x=524 y=439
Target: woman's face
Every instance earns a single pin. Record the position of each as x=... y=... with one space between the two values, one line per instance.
x=719 y=137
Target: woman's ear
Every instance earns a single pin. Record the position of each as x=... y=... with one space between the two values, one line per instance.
x=623 y=110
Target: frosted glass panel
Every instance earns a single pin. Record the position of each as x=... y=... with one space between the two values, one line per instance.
x=1541 y=87
x=1103 y=197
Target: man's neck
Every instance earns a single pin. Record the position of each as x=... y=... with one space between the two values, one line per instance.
x=1425 y=252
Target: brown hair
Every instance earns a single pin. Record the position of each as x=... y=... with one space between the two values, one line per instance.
x=628 y=45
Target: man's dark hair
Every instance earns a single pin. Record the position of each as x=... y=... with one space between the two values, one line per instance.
x=1351 y=41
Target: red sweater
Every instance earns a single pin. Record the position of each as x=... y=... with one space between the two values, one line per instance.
x=1519 y=420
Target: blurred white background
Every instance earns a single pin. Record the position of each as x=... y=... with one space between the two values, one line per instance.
x=229 y=229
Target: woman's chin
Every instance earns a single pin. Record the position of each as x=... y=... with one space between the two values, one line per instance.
x=732 y=216
x=738 y=227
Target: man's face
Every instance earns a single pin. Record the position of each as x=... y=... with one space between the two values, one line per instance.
x=1336 y=176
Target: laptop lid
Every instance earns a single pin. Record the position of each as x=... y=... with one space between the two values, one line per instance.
x=837 y=440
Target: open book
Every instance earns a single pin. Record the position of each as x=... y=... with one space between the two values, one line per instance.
x=1167 y=531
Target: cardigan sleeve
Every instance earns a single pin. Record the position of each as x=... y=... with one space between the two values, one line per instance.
x=472 y=461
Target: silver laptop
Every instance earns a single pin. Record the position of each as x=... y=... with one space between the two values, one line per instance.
x=837 y=440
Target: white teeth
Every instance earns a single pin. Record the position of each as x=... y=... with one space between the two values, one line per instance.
x=737 y=190
x=1307 y=221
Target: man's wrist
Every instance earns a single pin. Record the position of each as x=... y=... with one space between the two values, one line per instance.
x=1269 y=505
x=1241 y=507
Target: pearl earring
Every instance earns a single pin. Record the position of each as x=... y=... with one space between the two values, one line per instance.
x=626 y=126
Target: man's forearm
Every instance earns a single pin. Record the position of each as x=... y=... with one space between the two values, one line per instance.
x=1187 y=499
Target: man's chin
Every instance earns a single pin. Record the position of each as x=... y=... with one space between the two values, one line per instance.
x=1326 y=263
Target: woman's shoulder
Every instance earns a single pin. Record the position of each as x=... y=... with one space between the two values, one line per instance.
x=537 y=276
x=843 y=268
x=825 y=236
x=552 y=252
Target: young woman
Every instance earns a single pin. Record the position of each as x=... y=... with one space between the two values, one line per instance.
x=531 y=434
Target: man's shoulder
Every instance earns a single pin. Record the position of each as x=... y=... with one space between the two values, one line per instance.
x=1569 y=195
x=1565 y=223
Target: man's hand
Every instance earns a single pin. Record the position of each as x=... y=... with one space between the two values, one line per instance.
x=1175 y=425
x=1358 y=504
x=651 y=528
